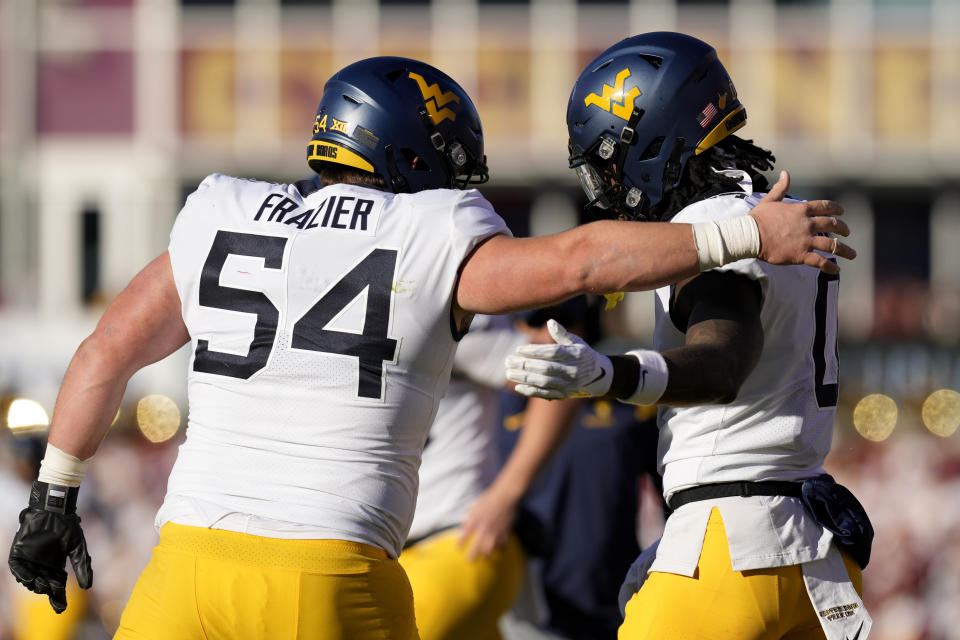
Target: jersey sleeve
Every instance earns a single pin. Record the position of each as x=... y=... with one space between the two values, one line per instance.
x=473 y=221
x=198 y=202
x=186 y=235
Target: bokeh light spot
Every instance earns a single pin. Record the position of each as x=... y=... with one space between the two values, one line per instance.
x=158 y=417
x=941 y=412
x=875 y=416
x=26 y=414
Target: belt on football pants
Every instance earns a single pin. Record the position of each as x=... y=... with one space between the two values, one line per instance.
x=729 y=489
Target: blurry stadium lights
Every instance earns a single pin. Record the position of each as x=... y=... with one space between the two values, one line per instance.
x=875 y=416
x=25 y=414
x=941 y=412
x=158 y=417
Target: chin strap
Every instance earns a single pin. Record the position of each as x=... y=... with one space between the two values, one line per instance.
x=398 y=184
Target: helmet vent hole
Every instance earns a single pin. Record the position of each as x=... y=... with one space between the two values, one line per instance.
x=653 y=149
x=603 y=65
x=394 y=75
x=655 y=61
x=351 y=99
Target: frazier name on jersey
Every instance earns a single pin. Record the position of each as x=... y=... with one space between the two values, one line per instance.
x=337 y=211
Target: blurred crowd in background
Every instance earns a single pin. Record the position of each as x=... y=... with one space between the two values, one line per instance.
x=112 y=110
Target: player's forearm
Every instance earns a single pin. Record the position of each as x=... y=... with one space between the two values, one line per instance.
x=702 y=372
x=628 y=256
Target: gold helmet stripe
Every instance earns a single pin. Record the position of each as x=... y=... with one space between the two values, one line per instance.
x=734 y=120
x=329 y=152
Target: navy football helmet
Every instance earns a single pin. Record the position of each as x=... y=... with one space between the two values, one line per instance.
x=402 y=119
x=639 y=111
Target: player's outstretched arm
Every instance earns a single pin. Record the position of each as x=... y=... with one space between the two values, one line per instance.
x=141 y=326
x=508 y=274
x=720 y=313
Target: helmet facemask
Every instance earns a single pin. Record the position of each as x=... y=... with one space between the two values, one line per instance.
x=463 y=168
x=599 y=169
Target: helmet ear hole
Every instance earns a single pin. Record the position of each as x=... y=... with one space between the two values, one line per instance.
x=671 y=172
x=653 y=149
x=414 y=161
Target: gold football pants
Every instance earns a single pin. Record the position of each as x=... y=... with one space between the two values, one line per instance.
x=718 y=603
x=207 y=584
x=457 y=598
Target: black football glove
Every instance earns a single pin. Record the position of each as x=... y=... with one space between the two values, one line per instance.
x=49 y=533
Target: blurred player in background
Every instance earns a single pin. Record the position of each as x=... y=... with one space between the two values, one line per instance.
x=463 y=560
x=586 y=501
x=322 y=326
x=761 y=544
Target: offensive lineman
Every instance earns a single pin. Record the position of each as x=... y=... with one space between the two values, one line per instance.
x=762 y=544
x=323 y=325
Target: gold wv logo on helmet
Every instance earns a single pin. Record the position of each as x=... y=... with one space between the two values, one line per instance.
x=434 y=99
x=613 y=99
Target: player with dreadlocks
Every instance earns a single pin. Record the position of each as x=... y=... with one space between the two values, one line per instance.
x=762 y=543
x=703 y=177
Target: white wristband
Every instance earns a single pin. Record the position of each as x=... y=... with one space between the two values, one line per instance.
x=653 y=377
x=59 y=467
x=722 y=241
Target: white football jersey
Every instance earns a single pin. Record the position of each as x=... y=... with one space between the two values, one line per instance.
x=322 y=341
x=461 y=457
x=781 y=424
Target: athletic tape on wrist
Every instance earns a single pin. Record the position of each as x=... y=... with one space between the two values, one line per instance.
x=722 y=241
x=653 y=377
x=59 y=467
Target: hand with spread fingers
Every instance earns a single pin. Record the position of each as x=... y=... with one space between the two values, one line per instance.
x=791 y=233
x=568 y=369
x=50 y=533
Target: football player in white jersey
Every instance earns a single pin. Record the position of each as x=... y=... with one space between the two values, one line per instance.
x=463 y=560
x=322 y=325
x=762 y=544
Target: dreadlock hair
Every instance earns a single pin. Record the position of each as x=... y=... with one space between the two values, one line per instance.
x=700 y=180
